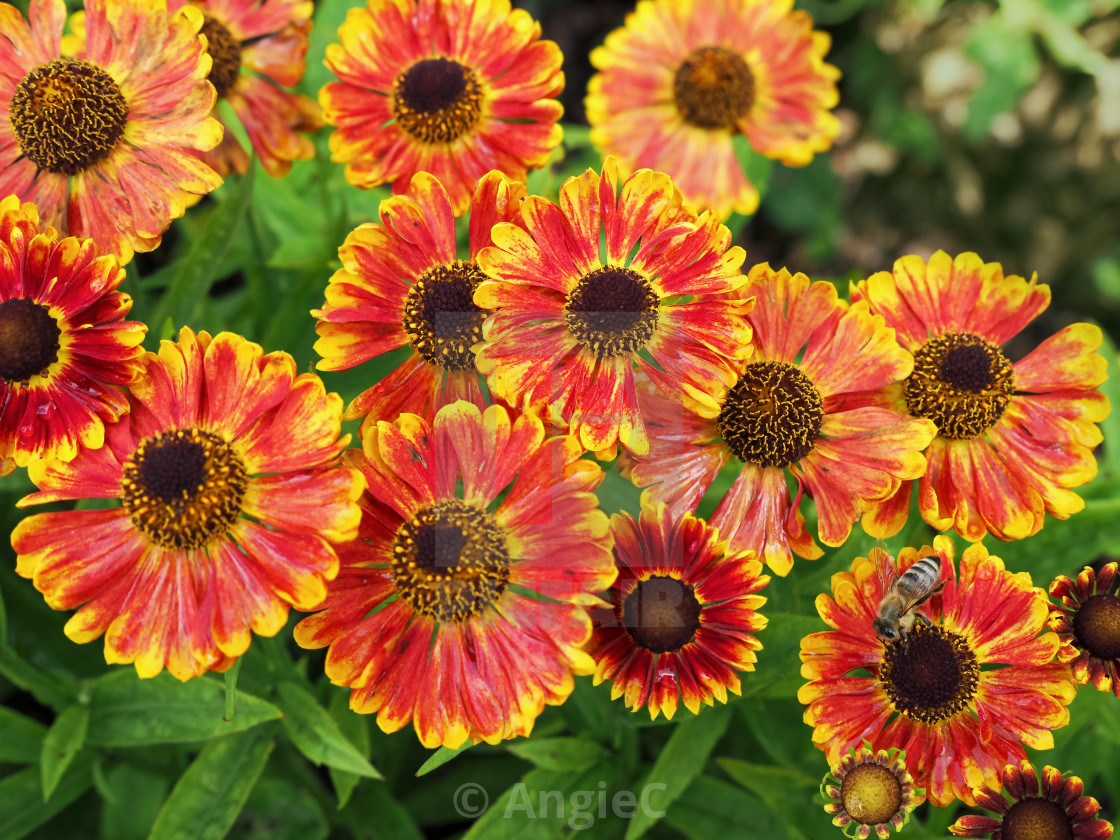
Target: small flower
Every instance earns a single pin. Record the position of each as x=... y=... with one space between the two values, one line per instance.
x=1086 y=618
x=870 y=790
x=230 y=500
x=681 y=616
x=783 y=416
x=682 y=80
x=457 y=612
x=572 y=322
x=1013 y=438
x=1051 y=810
x=402 y=285
x=105 y=141
x=66 y=352
x=931 y=694
x=452 y=87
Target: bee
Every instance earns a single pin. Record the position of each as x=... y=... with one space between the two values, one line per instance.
x=898 y=611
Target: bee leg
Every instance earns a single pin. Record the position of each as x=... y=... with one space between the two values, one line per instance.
x=921 y=619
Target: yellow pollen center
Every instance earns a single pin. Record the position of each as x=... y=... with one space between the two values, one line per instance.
x=871 y=794
x=930 y=676
x=440 y=317
x=225 y=52
x=437 y=100
x=772 y=416
x=612 y=311
x=713 y=88
x=29 y=340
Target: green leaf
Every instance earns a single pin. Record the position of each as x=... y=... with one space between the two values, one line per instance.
x=127 y=711
x=681 y=761
x=209 y=795
x=784 y=790
x=712 y=809
x=231 y=690
x=21 y=738
x=280 y=809
x=22 y=809
x=378 y=815
x=316 y=735
x=52 y=690
x=355 y=728
x=65 y=737
x=777 y=672
x=441 y=757
x=130 y=801
x=566 y=754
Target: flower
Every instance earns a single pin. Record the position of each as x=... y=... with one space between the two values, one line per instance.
x=402 y=285
x=104 y=141
x=66 y=351
x=572 y=323
x=230 y=499
x=1012 y=438
x=1054 y=808
x=681 y=614
x=869 y=790
x=683 y=78
x=451 y=87
x=1086 y=617
x=930 y=694
x=783 y=415
x=455 y=611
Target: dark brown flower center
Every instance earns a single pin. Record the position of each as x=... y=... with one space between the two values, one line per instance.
x=183 y=488
x=437 y=100
x=1097 y=625
x=713 y=88
x=225 y=50
x=1036 y=819
x=612 y=311
x=28 y=340
x=67 y=115
x=871 y=794
x=450 y=561
x=772 y=415
x=440 y=317
x=661 y=614
x=962 y=383
x=930 y=676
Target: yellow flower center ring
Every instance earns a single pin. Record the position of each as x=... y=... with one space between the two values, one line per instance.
x=931 y=676
x=225 y=50
x=962 y=383
x=1097 y=626
x=29 y=340
x=661 y=614
x=67 y=115
x=612 y=311
x=772 y=415
x=440 y=317
x=437 y=100
x=871 y=794
x=713 y=88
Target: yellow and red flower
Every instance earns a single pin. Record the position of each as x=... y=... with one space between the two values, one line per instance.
x=1012 y=437
x=451 y=87
x=455 y=611
x=1086 y=616
x=402 y=285
x=66 y=352
x=930 y=694
x=870 y=790
x=783 y=415
x=681 y=614
x=683 y=79
x=230 y=500
x=105 y=141
x=1052 y=807
x=572 y=323
x=259 y=48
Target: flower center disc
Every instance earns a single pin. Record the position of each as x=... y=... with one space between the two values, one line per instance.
x=871 y=794
x=772 y=416
x=225 y=50
x=437 y=100
x=962 y=383
x=713 y=88
x=440 y=317
x=450 y=561
x=612 y=311
x=930 y=676
x=661 y=614
x=67 y=115
x=1097 y=625
x=1036 y=819
x=28 y=340
x=183 y=488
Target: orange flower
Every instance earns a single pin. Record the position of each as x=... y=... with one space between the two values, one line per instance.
x=930 y=694
x=681 y=615
x=104 y=142
x=451 y=87
x=454 y=611
x=1012 y=437
x=66 y=351
x=683 y=79
x=1086 y=617
x=230 y=500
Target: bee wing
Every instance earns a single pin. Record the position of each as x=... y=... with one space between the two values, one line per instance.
x=884 y=563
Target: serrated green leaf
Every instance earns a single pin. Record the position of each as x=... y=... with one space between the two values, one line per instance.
x=316 y=735
x=209 y=795
x=441 y=757
x=127 y=711
x=566 y=754
x=21 y=738
x=22 y=809
x=66 y=736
